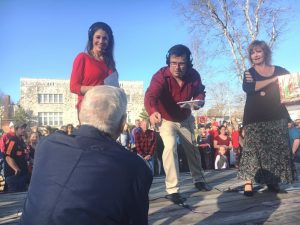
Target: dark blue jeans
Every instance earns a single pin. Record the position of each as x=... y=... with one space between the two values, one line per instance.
x=297 y=156
x=16 y=183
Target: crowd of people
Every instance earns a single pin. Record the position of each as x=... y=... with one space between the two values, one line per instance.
x=18 y=147
x=101 y=171
x=220 y=143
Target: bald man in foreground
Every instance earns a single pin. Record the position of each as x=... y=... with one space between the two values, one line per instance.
x=88 y=178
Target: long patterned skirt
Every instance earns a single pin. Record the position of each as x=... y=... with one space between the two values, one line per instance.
x=267 y=155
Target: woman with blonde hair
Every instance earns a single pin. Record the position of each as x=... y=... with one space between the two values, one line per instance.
x=267 y=156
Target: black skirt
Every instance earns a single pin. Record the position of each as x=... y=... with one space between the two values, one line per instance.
x=267 y=155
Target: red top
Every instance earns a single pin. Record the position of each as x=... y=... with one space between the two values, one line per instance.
x=213 y=134
x=145 y=142
x=235 y=139
x=4 y=140
x=164 y=92
x=87 y=71
x=221 y=141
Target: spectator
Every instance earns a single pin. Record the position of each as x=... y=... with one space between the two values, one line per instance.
x=213 y=133
x=63 y=129
x=145 y=143
x=294 y=135
x=221 y=161
x=204 y=143
x=159 y=152
x=46 y=131
x=223 y=140
x=15 y=169
x=297 y=123
x=7 y=136
x=241 y=145
x=1 y=155
x=87 y=177
x=134 y=131
x=35 y=129
x=30 y=150
x=235 y=152
x=2 y=183
x=125 y=137
x=70 y=129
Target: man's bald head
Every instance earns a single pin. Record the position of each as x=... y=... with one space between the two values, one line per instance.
x=104 y=107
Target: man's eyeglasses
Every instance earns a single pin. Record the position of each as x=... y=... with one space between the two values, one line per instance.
x=180 y=64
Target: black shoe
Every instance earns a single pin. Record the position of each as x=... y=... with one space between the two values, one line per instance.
x=202 y=186
x=248 y=193
x=273 y=188
x=176 y=198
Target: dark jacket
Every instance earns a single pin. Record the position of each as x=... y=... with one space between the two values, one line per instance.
x=86 y=178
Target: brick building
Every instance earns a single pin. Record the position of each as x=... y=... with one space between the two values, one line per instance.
x=51 y=102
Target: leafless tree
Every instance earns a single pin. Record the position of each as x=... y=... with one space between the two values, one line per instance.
x=225 y=101
x=226 y=27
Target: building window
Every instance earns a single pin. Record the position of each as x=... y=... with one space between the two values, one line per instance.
x=60 y=98
x=50 y=98
x=128 y=98
x=128 y=117
x=56 y=98
x=46 y=99
x=50 y=118
x=40 y=98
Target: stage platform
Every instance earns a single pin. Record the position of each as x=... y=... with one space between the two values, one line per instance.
x=224 y=205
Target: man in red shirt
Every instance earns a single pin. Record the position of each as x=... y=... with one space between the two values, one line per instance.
x=172 y=84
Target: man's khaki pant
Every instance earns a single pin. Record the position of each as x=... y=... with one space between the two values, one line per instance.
x=185 y=130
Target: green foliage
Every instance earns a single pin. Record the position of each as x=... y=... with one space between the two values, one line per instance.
x=20 y=115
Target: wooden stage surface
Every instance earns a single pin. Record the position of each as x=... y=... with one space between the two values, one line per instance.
x=224 y=205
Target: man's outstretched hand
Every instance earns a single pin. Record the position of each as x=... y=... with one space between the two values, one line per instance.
x=155 y=118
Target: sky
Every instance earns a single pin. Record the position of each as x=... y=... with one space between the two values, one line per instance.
x=41 y=38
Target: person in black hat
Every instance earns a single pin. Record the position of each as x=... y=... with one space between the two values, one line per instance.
x=15 y=169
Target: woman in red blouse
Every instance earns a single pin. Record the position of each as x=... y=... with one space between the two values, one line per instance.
x=95 y=66
x=223 y=140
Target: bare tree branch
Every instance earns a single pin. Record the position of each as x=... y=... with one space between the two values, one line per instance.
x=257 y=18
x=227 y=27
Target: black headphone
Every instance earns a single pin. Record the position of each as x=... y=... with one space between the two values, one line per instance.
x=179 y=50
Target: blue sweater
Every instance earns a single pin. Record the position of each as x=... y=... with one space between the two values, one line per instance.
x=86 y=178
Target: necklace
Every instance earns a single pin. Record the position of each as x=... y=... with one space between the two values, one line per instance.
x=264 y=70
x=98 y=57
